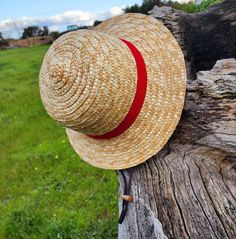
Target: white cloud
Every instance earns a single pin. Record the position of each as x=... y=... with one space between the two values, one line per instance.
x=57 y=22
x=116 y=11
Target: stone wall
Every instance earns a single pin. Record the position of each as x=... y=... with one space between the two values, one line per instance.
x=32 y=41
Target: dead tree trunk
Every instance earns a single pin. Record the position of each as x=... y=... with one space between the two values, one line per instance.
x=188 y=190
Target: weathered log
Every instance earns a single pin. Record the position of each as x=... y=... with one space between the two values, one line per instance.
x=204 y=37
x=188 y=190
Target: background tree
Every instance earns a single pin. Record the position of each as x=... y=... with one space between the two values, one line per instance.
x=15 y=26
x=33 y=31
x=190 y=7
x=45 y=31
x=132 y=9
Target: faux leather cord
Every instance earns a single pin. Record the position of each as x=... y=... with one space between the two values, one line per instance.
x=127 y=187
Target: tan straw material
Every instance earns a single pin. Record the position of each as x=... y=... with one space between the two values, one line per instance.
x=88 y=81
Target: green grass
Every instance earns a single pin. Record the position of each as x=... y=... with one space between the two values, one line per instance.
x=46 y=190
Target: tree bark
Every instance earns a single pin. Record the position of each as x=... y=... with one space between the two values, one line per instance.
x=188 y=189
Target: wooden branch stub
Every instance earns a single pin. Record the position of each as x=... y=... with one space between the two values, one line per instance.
x=128 y=198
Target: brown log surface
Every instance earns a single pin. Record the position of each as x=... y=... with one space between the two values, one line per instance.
x=188 y=190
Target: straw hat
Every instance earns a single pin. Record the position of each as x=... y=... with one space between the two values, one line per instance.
x=118 y=89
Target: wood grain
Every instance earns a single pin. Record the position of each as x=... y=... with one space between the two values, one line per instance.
x=188 y=190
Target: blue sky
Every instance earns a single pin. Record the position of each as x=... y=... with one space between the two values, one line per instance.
x=36 y=8
x=15 y=15
x=56 y=14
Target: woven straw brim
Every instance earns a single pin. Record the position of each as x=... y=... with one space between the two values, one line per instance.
x=164 y=100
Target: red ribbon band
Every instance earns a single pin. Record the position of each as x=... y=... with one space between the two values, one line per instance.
x=138 y=98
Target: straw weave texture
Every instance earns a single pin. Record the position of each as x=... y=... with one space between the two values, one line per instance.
x=88 y=81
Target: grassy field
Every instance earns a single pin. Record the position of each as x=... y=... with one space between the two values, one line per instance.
x=46 y=190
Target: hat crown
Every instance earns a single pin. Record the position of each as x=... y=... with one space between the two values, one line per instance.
x=88 y=81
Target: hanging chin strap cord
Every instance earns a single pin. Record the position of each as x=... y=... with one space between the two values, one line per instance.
x=126 y=196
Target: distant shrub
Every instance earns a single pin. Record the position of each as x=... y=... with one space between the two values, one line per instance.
x=4 y=44
x=97 y=22
x=54 y=35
